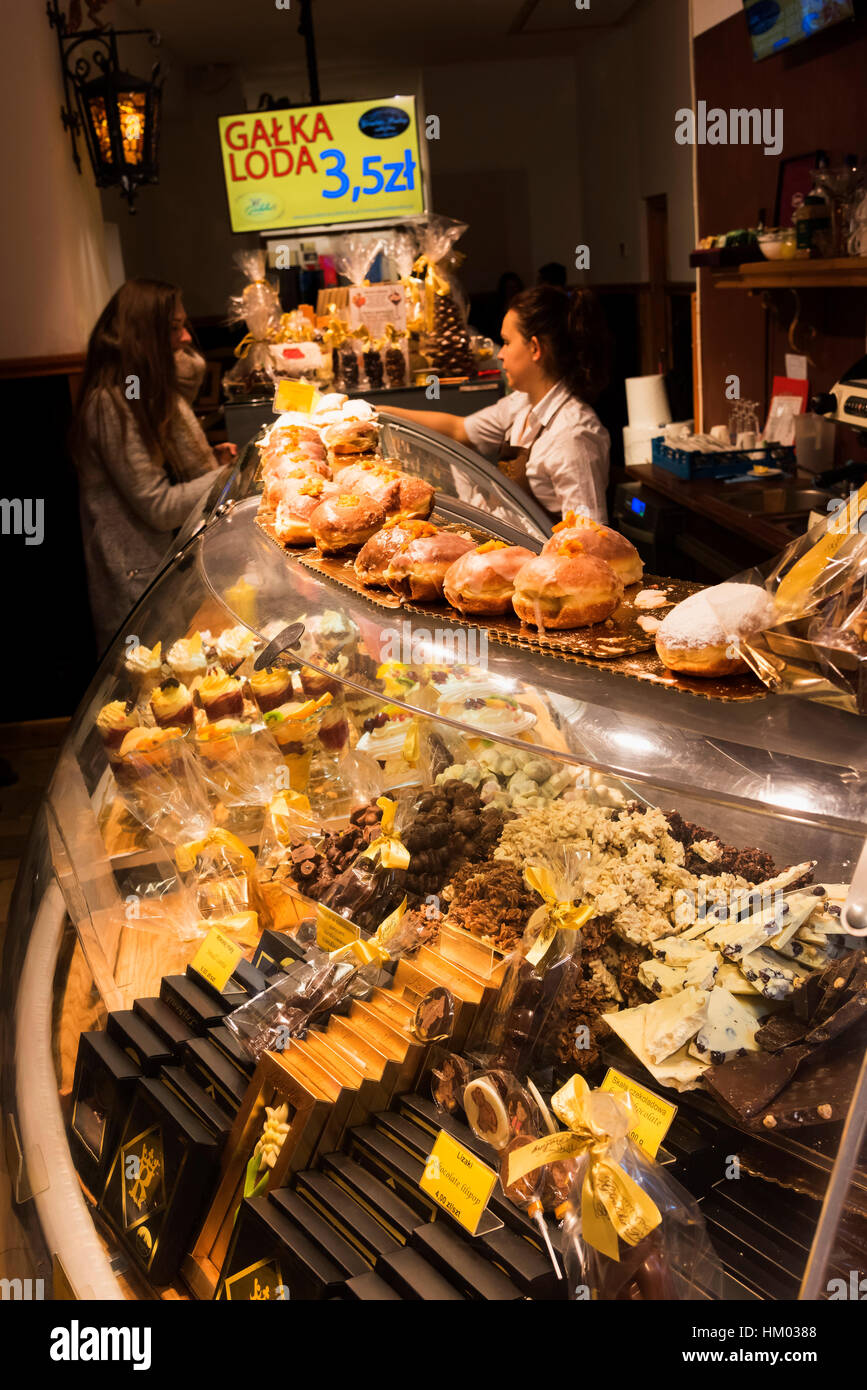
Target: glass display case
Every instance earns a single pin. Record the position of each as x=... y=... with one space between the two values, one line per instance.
x=104 y=909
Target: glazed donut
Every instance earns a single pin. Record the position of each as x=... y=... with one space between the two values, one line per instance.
x=418 y=568
x=295 y=508
x=415 y=496
x=483 y=580
x=282 y=465
x=372 y=479
x=565 y=591
x=351 y=437
x=344 y=521
x=374 y=558
x=588 y=537
x=286 y=485
x=701 y=636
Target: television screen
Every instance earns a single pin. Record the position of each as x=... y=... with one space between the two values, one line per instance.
x=324 y=166
x=776 y=24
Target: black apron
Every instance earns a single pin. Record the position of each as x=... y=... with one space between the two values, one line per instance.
x=512 y=460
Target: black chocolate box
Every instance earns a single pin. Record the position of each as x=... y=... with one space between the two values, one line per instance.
x=402 y=1170
x=159 y=1180
x=196 y=1098
x=138 y=1041
x=465 y=1265
x=213 y=1071
x=379 y=1200
x=165 y=1023
x=101 y=1094
x=199 y=1010
x=269 y=1257
x=225 y=1041
x=346 y=1215
x=233 y=995
x=276 y=951
x=410 y=1275
x=348 y=1259
x=370 y=1288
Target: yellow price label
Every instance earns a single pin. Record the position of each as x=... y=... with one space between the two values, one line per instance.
x=653 y=1116
x=295 y=395
x=332 y=931
x=458 y=1181
x=216 y=958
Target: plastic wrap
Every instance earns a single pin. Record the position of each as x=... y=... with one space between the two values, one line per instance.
x=258 y=305
x=815 y=647
x=240 y=764
x=219 y=870
x=161 y=785
x=519 y=1032
x=297 y=855
x=630 y=1232
x=375 y=882
x=434 y=266
x=357 y=253
x=312 y=989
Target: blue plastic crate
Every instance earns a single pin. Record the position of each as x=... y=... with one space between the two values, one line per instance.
x=725 y=463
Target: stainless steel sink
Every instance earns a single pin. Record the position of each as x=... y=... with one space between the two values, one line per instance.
x=784 y=500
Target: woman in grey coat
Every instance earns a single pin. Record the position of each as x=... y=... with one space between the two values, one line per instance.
x=142 y=457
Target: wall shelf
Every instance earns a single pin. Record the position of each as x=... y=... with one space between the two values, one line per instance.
x=848 y=272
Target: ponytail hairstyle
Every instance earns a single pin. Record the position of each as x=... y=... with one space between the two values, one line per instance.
x=572 y=333
x=132 y=338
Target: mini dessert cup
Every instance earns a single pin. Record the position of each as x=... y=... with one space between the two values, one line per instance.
x=271 y=687
x=114 y=722
x=221 y=695
x=234 y=646
x=294 y=727
x=188 y=659
x=171 y=703
x=144 y=667
x=159 y=782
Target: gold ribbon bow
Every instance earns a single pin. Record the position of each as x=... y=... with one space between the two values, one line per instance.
x=411 y=751
x=393 y=853
x=373 y=951
x=186 y=855
x=558 y=915
x=612 y=1203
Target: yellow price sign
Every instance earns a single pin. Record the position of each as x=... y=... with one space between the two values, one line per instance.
x=216 y=958
x=458 y=1181
x=653 y=1116
x=312 y=166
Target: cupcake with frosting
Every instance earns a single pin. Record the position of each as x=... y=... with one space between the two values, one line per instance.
x=171 y=703
x=144 y=667
x=233 y=646
x=271 y=687
x=114 y=722
x=221 y=695
x=188 y=659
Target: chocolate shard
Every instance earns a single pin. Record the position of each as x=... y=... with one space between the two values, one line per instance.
x=820 y=1094
x=838 y=980
x=851 y=1012
x=806 y=998
x=746 y=1085
x=781 y=1030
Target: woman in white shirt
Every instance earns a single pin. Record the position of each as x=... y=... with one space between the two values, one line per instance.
x=545 y=434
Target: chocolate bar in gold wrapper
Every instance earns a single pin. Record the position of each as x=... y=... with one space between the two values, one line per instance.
x=274 y=1084
x=368 y=1090
x=396 y=1045
x=358 y=1046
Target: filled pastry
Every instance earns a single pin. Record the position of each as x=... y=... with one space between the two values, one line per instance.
x=565 y=591
x=702 y=635
x=345 y=521
x=483 y=580
x=375 y=556
x=418 y=569
x=578 y=535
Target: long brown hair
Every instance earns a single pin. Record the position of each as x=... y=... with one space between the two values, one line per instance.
x=130 y=359
x=572 y=333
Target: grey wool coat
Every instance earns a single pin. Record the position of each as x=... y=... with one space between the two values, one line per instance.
x=129 y=509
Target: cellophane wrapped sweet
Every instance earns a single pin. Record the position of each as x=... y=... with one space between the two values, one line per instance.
x=162 y=787
x=446 y=343
x=630 y=1231
x=258 y=305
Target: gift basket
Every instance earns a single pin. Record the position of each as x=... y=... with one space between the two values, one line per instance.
x=446 y=341
x=258 y=305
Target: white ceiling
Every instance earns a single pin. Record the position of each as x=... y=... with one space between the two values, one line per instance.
x=420 y=32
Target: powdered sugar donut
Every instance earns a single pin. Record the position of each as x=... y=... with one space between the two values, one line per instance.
x=702 y=635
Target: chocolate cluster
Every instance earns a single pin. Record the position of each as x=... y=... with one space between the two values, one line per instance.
x=492 y=901
x=755 y=865
x=313 y=865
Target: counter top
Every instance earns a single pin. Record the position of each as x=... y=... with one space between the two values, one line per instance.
x=707 y=497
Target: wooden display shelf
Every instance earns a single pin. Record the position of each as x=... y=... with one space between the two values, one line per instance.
x=847 y=272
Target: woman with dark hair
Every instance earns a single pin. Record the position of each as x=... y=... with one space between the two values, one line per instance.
x=142 y=457
x=545 y=434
